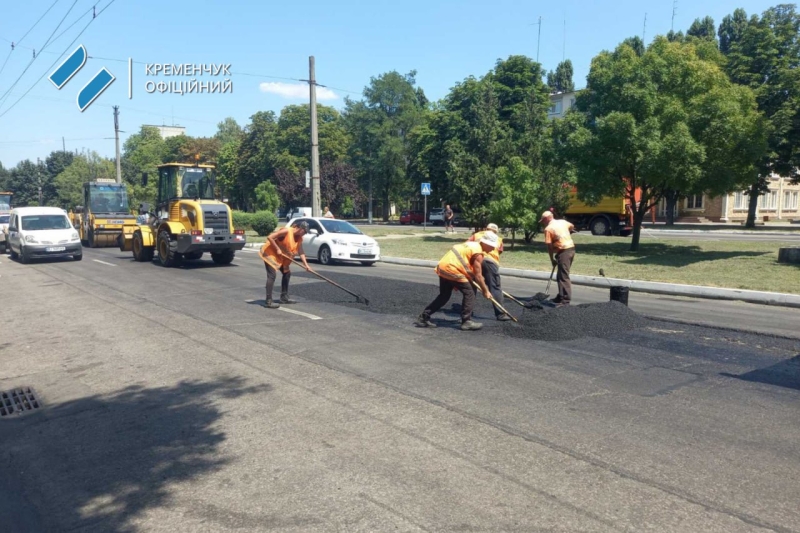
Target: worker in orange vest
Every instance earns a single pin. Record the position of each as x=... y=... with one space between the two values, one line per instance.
x=491 y=268
x=561 y=247
x=278 y=253
x=457 y=270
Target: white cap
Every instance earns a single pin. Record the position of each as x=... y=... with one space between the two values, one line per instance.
x=490 y=239
x=546 y=214
x=493 y=227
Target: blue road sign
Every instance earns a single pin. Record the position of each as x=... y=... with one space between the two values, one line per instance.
x=426 y=189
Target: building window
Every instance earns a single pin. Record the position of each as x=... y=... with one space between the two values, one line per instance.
x=740 y=200
x=790 y=200
x=769 y=200
x=694 y=201
x=555 y=109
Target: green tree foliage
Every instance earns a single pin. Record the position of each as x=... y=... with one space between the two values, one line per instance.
x=763 y=53
x=294 y=137
x=228 y=131
x=380 y=127
x=560 y=81
x=263 y=222
x=143 y=152
x=256 y=156
x=703 y=29
x=266 y=197
x=84 y=167
x=24 y=181
x=665 y=121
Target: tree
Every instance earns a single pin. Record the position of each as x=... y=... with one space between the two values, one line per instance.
x=703 y=29
x=228 y=131
x=293 y=143
x=665 y=121
x=560 y=81
x=380 y=126
x=142 y=152
x=637 y=44
x=266 y=197
x=517 y=198
x=763 y=53
x=256 y=156
x=25 y=179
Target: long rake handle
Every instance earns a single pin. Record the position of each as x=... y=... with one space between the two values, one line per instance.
x=547 y=290
x=497 y=304
x=513 y=299
x=332 y=282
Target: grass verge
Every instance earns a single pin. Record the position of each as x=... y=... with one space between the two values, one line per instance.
x=730 y=264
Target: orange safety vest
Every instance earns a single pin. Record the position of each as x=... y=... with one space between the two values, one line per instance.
x=494 y=255
x=456 y=264
x=558 y=234
x=273 y=257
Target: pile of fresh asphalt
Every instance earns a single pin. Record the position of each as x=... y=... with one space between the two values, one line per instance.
x=574 y=321
x=408 y=299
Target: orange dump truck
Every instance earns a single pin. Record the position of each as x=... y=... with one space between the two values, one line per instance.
x=611 y=215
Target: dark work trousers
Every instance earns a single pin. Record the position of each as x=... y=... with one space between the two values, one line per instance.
x=272 y=274
x=446 y=288
x=491 y=275
x=564 y=260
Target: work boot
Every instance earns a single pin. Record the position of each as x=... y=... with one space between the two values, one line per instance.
x=271 y=305
x=285 y=299
x=424 y=322
x=469 y=325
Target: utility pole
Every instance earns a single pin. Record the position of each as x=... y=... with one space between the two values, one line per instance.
x=674 y=11
x=63 y=145
x=315 y=185
x=644 y=28
x=116 y=138
x=539 y=39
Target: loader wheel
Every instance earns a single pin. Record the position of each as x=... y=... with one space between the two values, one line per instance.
x=223 y=258
x=167 y=255
x=194 y=256
x=141 y=252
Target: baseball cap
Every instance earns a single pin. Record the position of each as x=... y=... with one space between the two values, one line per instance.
x=301 y=225
x=493 y=227
x=545 y=215
x=490 y=239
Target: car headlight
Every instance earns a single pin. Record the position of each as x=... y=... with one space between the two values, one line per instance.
x=338 y=241
x=30 y=238
x=75 y=236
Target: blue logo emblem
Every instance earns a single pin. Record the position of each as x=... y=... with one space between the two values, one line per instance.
x=94 y=88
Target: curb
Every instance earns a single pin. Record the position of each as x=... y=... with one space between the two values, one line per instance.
x=653 y=287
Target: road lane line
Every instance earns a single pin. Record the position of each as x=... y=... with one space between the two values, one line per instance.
x=109 y=264
x=307 y=315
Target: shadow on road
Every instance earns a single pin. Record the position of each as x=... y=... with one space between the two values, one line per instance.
x=784 y=374
x=101 y=462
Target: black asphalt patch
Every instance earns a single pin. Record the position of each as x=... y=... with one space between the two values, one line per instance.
x=395 y=297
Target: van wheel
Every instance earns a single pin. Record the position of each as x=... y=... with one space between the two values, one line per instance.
x=23 y=256
x=13 y=253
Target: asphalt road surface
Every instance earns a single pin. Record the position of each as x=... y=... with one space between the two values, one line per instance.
x=171 y=400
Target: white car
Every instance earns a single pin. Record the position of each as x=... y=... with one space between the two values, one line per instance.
x=436 y=215
x=36 y=232
x=330 y=240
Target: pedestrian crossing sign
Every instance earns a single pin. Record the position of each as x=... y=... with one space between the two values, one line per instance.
x=426 y=189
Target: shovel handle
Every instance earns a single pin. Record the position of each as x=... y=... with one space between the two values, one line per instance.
x=497 y=304
x=331 y=282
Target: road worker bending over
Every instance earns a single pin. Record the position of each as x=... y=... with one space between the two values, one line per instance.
x=456 y=270
x=491 y=268
x=278 y=253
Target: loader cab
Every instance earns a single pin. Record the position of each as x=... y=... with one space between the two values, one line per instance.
x=180 y=181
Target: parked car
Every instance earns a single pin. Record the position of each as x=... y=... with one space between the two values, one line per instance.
x=298 y=212
x=36 y=232
x=436 y=216
x=4 y=232
x=330 y=240
x=412 y=217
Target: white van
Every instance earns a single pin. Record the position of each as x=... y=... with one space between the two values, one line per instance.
x=36 y=232
x=298 y=212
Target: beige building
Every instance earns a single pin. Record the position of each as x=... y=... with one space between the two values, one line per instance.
x=560 y=104
x=781 y=203
x=168 y=131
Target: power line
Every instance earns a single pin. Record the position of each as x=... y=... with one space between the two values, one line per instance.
x=59 y=57
x=15 y=45
x=2 y=98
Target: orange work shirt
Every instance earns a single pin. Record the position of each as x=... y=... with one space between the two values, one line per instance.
x=273 y=257
x=451 y=266
x=558 y=234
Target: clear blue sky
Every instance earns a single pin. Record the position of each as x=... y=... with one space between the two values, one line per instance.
x=445 y=41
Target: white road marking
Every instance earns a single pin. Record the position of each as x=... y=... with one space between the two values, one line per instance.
x=307 y=315
x=109 y=264
x=249 y=250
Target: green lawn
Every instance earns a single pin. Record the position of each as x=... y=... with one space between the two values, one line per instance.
x=372 y=231
x=732 y=264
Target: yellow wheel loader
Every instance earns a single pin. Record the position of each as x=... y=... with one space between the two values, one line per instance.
x=187 y=221
x=105 y=214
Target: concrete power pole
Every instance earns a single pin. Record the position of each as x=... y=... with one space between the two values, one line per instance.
x=116 y=138
x=315 y=185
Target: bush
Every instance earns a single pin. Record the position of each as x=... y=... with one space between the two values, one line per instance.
x=242 y=220
x=264 y=222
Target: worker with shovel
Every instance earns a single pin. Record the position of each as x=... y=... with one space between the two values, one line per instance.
x=558 y=237
x=456 y=270
x=278 y=253
x=491 y=268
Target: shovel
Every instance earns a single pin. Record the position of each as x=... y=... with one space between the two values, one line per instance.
x=497 y=304
x=359 y=298
x=542 y=296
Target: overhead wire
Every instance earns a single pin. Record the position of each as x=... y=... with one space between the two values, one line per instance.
x=14 y=45
x=59 y=57
x=5 y=95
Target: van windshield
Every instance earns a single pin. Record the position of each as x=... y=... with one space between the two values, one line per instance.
x=45 y=222
x=4 y=219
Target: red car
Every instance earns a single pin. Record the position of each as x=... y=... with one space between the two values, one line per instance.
x=412 y=217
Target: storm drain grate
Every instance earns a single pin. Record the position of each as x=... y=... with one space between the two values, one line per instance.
x=18 y=401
